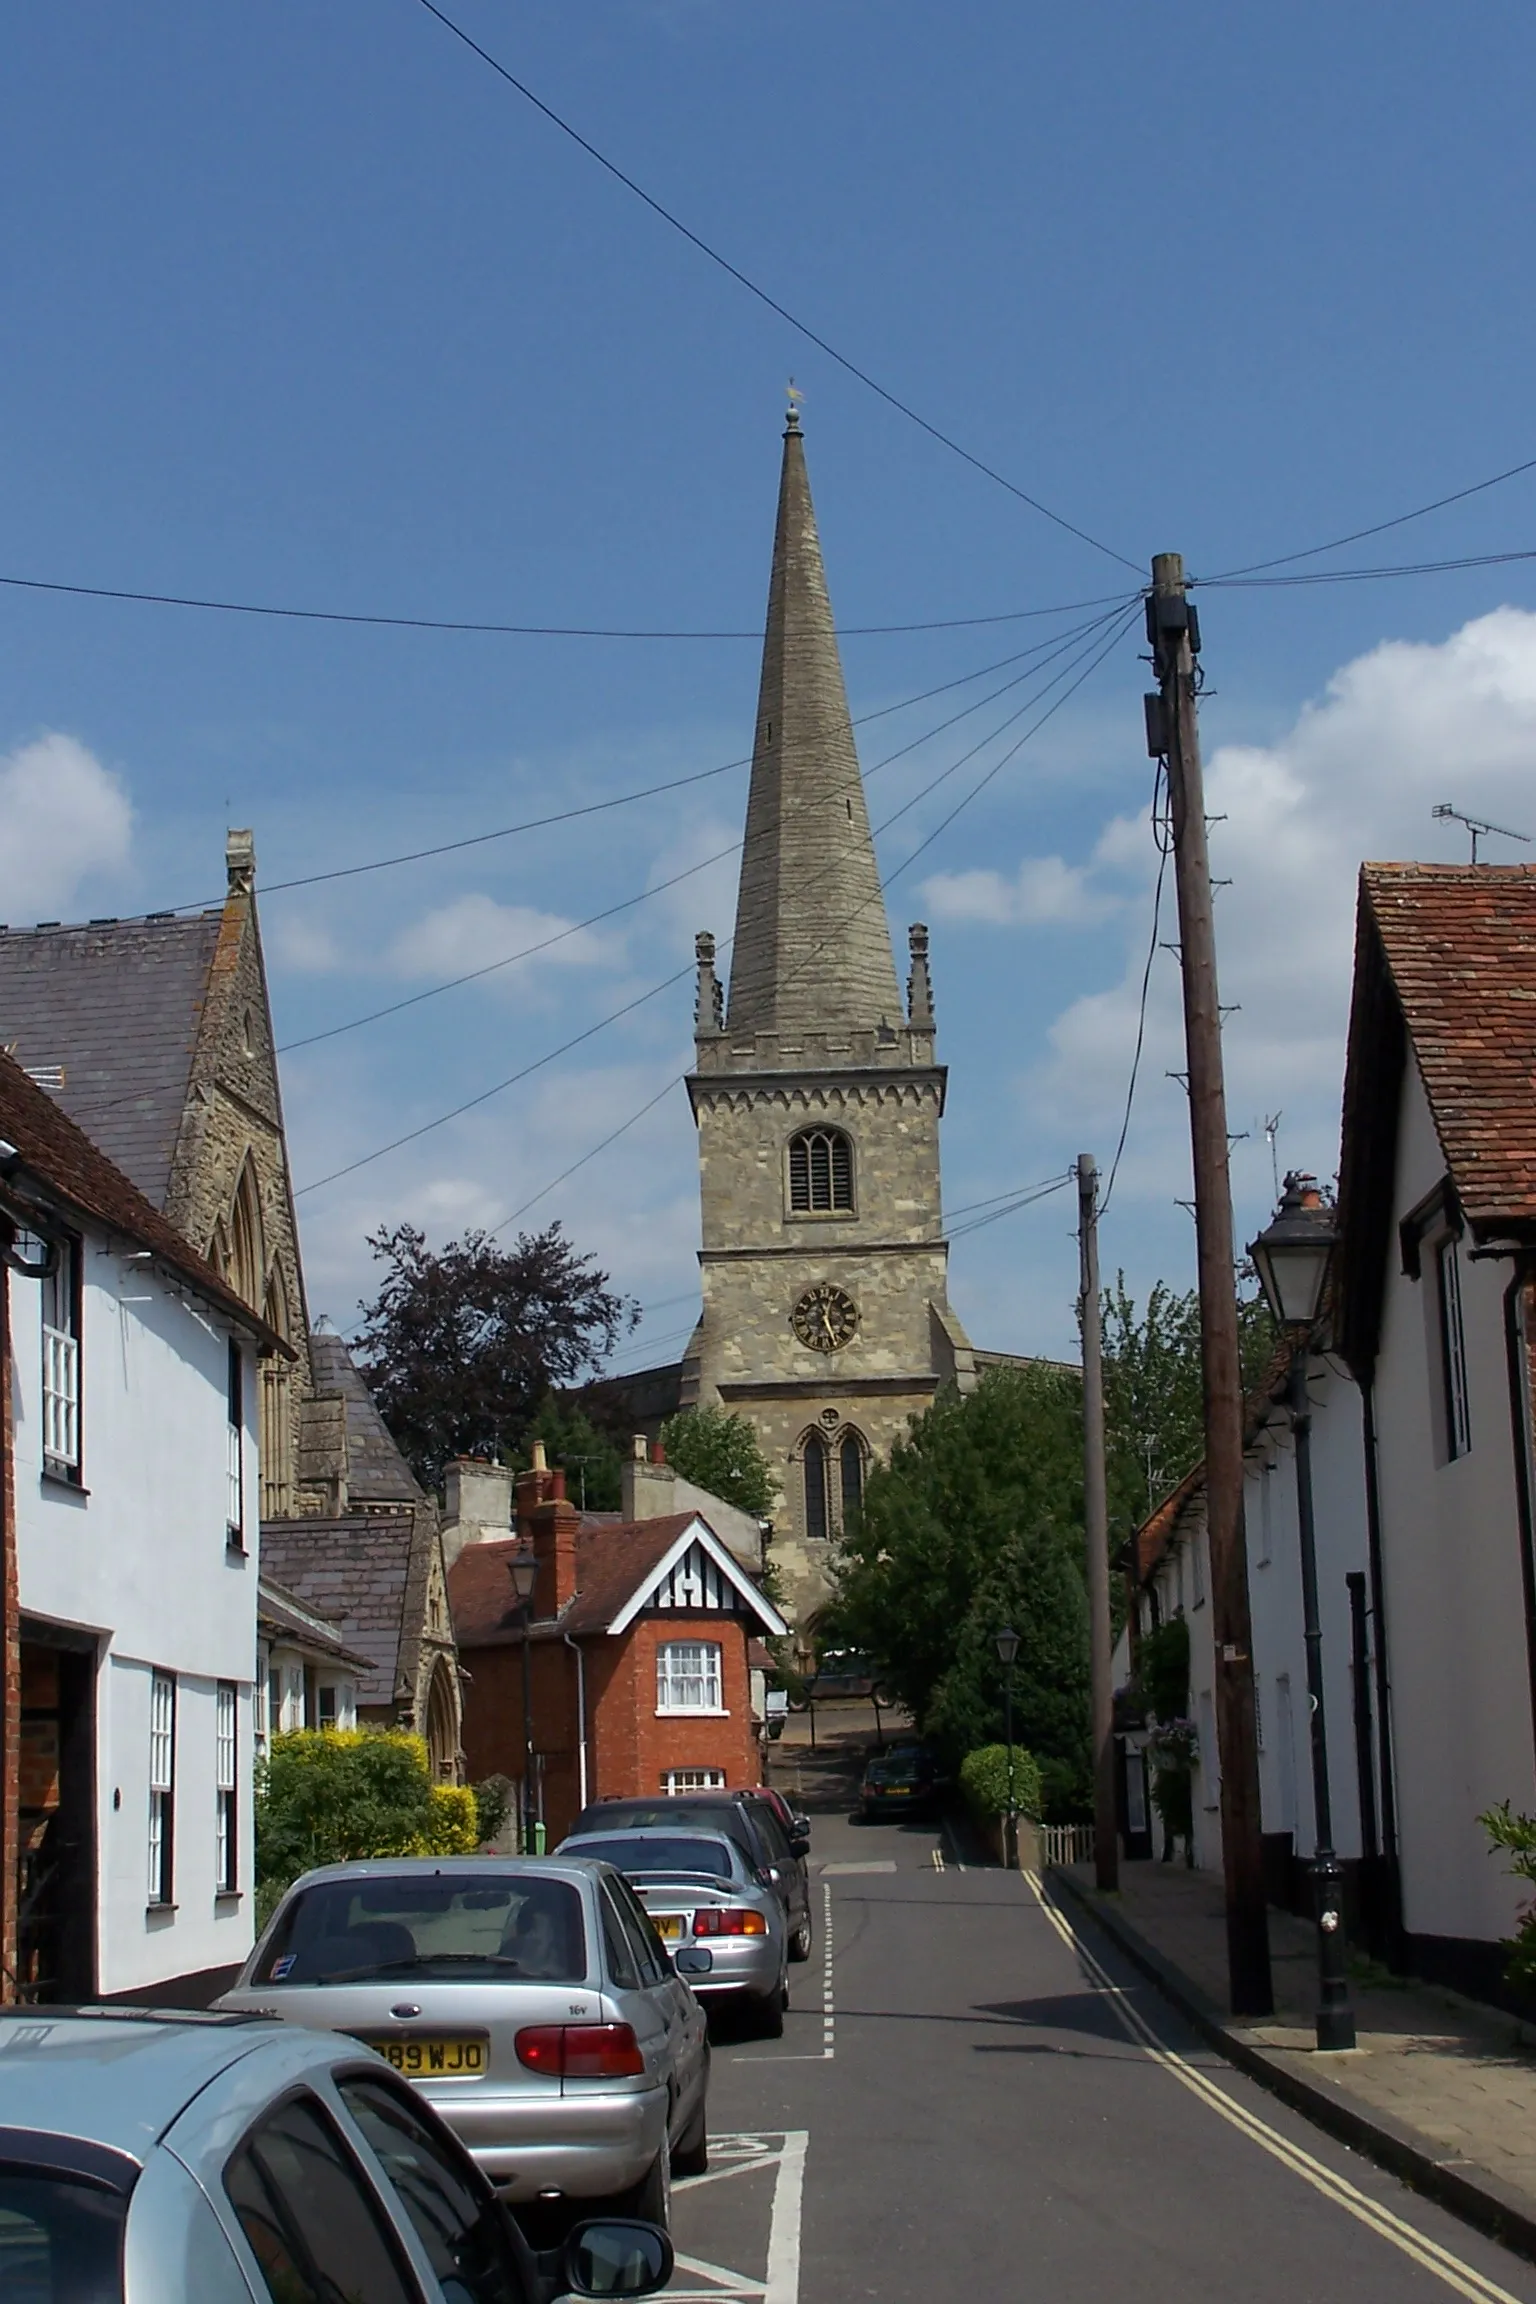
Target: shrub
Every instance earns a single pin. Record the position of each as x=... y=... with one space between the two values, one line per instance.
x=332 y=1796
x=1517 y=1834
x=984 y=1781
x=1162 y=1670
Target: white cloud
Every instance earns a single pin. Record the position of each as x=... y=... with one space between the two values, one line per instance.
x=1355 y=778
x=474 y=931
x=64 y=820
x=1044 y=891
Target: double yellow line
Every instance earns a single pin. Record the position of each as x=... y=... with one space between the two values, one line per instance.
x=1458 y=2275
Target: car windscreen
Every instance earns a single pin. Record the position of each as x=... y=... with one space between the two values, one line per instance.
x=659 y=1854
x=444 y=1926
x=60 y=2241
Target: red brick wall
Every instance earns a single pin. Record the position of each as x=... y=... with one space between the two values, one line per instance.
x=629 y=1748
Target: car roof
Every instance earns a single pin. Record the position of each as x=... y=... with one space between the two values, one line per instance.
x=645 y=1832
x=428 y=1867
x=117 y=2077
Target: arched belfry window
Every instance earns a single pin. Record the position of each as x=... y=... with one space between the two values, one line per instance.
x=820 y=1172
x=815 y=1469
x=850 y=1467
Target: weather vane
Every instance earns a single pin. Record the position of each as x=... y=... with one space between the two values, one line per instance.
x=795 y=398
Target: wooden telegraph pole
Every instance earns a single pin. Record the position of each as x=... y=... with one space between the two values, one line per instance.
x=1106 y=1855
x=1173 y=730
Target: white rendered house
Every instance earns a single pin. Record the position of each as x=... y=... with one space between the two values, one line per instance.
x=130 y=1619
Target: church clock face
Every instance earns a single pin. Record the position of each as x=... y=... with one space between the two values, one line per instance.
x=826 y=1318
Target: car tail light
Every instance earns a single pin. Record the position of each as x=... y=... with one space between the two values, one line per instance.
x=581 y=2051
x=729 y=1920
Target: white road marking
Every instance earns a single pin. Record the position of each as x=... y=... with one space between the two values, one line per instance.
x=936 y=1857
x=1462 y=2277
x=846 y=1871
x=745 y=2156
x=953 y=1848
x=828 y=2004
x=784 y=2232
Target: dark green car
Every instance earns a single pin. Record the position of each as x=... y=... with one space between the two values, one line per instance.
x=898 y=1784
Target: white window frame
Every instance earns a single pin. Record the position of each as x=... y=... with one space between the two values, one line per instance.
x=235 y=1459
x=226 y=1758
x=61 y=1362
x=162 y=1788
x=690 y=1678
x=675 y=1781
x=1453 y=1349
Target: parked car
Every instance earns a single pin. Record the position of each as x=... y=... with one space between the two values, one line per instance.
x=797 y=1825
x=701 y=1888
x=901 y=1783
x=527 y=1998
x=150 y=2158
x=748 y=1818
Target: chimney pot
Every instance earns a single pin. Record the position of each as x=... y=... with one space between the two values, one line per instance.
x=540 y=1463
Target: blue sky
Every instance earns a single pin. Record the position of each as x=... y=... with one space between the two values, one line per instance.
x=306 y=306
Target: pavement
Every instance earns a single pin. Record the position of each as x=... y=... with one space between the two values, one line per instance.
x=979 y=2093
x=1440 y=2088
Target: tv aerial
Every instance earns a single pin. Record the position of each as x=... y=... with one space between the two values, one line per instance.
x=1478 y=826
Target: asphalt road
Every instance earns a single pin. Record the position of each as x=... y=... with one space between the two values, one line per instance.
x=964 y=2105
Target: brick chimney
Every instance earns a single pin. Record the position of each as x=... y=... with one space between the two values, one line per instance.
x=647 y=1482
x=548 y=1522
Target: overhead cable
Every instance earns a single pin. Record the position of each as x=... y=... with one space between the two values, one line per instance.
x=1380 y=527
x=1164 y=846
x=1360 y=575
x=801 y=327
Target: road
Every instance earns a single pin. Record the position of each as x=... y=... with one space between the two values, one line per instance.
x=968 y=2102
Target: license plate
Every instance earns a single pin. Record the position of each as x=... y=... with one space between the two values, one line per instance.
x=668 y=1925
x=441 y=2059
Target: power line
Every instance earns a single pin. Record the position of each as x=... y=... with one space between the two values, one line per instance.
x=801 y=327
x=1012 y=1207
x=1360 y=575
x=511 y=631
x=1380 y=527
x=1163 y=847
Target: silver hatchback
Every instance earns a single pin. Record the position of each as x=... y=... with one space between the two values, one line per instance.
x=701 y=1891
x=529 y=1999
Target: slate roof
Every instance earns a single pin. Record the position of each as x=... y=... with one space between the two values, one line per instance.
x=75 y=1171
x=377 y=1474
x=611 y=1562
x=353 y=1573
x=116 y=1006
x=281 y=1615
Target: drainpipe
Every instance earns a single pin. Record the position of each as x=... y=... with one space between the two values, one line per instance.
x=581 y=1716
x=1517 y=1348
x=1393 y=1915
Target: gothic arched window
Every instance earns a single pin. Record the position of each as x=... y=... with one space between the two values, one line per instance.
x=850 y=1462
x=816 y=1488
x=245 y=1268
x=820 y=1172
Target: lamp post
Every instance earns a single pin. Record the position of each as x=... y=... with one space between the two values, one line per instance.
x=1007 y=1651
x=1291 y=1258
x=523 y=1568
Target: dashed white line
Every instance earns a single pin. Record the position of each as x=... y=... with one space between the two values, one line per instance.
x=828 y=2004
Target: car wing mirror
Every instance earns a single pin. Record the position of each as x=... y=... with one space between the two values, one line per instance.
x=800 y=1843
x=693 y=1960
x=615 y=2256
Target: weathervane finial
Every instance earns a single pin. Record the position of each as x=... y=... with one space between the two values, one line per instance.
x=792 y=417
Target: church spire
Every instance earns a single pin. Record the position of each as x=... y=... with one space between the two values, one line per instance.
x=812 y=949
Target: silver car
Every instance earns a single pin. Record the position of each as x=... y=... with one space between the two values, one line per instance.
x=702 y=1890
x=150 y=2158
x=528 y=1999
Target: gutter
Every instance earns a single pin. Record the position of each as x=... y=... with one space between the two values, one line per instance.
x=581 y=1716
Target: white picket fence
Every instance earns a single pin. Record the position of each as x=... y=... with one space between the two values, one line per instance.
x=1066 y=1844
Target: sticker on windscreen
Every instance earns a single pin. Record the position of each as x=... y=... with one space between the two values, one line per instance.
x=280 y=1968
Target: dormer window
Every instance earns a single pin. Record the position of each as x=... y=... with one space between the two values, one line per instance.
x=820 y=1173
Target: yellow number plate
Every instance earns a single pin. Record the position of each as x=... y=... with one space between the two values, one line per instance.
x=668 y=1925
x=434 y=2059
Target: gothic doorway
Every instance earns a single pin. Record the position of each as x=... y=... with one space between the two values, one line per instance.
x=442 y=1727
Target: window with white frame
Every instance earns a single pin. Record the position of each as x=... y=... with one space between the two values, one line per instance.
x=226 y=1871
x=1453 y=1349
x=235 y=1509
x=688 y=1676
x=676 y=1780
x=162 y=1788
x=326 y=1715
x=61 y=1362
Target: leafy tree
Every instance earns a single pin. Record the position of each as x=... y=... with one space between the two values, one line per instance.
x=589 y=1458
x=720 y=1451
x=461 y=1347
x=1153 y=1404
x=1516 y=1834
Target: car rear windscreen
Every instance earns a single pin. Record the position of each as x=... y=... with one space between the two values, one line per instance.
x=447 y=1927
x=658 y=1854
x=60 y=2241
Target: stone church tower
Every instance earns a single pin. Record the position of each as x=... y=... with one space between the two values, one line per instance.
x=817 y=1098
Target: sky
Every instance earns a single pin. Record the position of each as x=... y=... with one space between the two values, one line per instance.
x=309 y=307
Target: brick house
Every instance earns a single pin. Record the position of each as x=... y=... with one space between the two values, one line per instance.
x=637 y=1654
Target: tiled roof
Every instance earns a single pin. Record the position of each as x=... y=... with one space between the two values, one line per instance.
x=611 y=1563
x=74 y=1169
x=116 y=1007
x=281 y=1615
x=377 y=1473
x=352 y=1572
x=1460 y=945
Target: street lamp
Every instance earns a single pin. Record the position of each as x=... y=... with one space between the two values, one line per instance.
x=1291 y=1259
x=1007 y=1642
x=523 y=1568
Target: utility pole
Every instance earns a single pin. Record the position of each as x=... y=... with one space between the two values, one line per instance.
x=1106 y=1854
x=1173 y=731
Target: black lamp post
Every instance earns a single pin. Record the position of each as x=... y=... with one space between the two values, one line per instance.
x=1007 y=1651
x=523 y=1568
x=1291 y=1258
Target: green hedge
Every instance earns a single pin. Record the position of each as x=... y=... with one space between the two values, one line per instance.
x=984 y=1781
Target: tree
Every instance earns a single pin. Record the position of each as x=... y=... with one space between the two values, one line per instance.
x=461 y=1347
x=720 y=1452
x=1153 y=1406
x=590 y=1459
